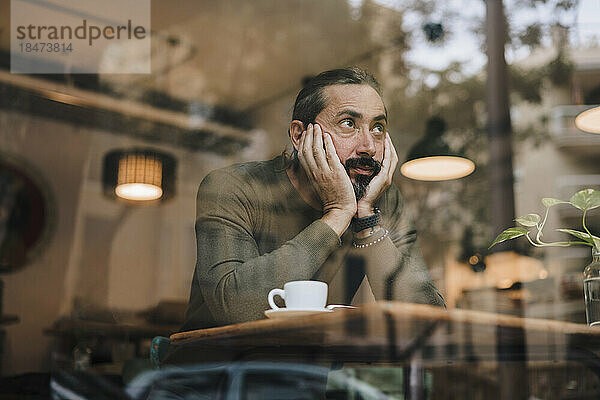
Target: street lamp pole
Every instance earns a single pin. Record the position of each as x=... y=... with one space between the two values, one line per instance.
x=513 y=380
x=502 y=210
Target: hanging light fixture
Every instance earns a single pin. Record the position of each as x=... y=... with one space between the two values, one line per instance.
x=139 y=175
x=430 y=159
x=589 y=120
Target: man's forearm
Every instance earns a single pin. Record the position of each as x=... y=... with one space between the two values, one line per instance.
x=396 y=274
x=235 y=280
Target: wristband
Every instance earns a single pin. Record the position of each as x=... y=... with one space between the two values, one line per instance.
x=359 y=224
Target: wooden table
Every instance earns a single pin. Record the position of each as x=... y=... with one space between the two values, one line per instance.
x=412 y=335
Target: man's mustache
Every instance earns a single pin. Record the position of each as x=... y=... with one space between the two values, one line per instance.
x=365 y=163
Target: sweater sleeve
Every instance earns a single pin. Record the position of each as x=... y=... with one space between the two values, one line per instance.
x=394 y=265
x=232 y=277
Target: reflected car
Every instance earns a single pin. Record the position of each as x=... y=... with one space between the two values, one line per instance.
x=251 y=381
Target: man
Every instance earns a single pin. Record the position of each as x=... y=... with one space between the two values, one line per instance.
x=262 y=224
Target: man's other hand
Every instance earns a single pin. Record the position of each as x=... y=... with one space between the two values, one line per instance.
x=380 y=182
x=328 y=177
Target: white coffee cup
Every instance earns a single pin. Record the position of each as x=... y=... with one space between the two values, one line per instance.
x=307 y=295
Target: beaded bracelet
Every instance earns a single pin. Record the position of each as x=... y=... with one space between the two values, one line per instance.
x=360 y=246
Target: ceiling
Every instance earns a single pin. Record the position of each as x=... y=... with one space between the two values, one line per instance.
x=248 y=52
x=227 y=61
x=240 y=54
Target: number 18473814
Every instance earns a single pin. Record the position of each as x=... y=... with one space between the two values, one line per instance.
x=45 y=47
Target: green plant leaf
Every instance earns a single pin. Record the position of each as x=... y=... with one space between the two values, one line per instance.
x=529 y=220
x=580 y=235
x=510 y=233
x=549 y=202
x=595 y=200
x=586 y=199
x=597 y=243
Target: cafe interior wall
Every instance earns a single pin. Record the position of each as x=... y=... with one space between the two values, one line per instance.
x=102 y=254
x=35 y=292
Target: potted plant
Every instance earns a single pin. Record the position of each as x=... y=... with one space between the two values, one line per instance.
x=533 y=225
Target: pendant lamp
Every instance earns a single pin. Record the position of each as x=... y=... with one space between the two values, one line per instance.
x=431 y=159
x=589 y=120
x=139 y=175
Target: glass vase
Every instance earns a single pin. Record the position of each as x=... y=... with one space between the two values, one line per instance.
x=591 y=289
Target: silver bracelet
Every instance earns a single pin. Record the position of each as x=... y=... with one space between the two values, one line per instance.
x=360 y=246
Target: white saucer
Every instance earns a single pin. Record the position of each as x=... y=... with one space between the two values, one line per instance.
x=295 y=312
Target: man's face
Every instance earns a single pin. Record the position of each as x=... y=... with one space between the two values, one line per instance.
x=356 y=119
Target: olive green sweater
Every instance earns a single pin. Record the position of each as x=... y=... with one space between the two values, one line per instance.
x=255 y=233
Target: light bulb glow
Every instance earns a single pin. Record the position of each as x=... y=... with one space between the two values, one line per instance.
x=138 y=191
x=589 y=120
x=437 y=168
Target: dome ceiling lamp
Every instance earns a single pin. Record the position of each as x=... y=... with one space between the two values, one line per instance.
x=431 y=159
x=589 y=120
x=139 y=175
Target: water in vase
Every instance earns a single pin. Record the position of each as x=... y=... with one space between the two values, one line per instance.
x=591 y=288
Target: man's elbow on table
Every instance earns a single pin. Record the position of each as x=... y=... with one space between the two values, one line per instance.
x=429 y=294
x=229 y=304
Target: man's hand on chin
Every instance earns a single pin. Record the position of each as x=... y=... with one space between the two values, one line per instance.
x=380 y=183
x=328 y=177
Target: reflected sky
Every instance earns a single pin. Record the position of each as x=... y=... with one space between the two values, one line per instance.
x=463 y=47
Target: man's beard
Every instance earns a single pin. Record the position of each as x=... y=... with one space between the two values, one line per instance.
x=361 y=182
